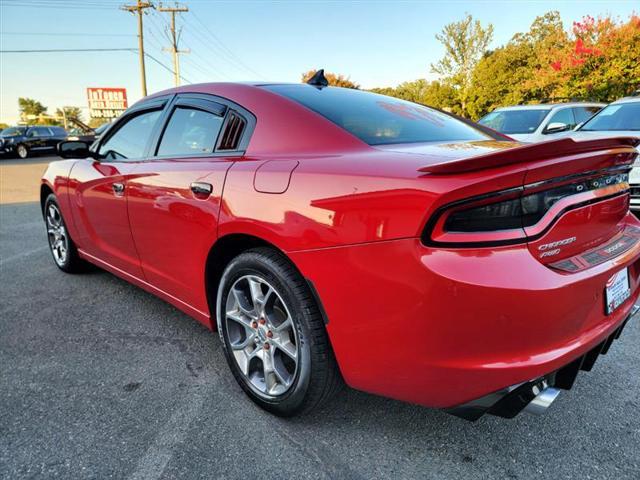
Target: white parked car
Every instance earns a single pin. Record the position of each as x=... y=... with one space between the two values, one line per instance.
x=618 y=119
x=537 y=123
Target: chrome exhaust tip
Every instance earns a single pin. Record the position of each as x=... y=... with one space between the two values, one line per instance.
x=543 y=401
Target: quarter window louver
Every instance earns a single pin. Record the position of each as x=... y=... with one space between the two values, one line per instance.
x=232 y=133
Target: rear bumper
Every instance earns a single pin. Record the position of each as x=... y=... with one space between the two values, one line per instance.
x=634 y=202
x=509 y=402
x=442 y=328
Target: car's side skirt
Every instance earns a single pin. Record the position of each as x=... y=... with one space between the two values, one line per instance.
x=202 y=317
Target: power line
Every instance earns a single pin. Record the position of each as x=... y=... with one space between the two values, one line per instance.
x=229 y=53
x=59 y=34
x=73 y=50
x=163 y=65
x=62 y=50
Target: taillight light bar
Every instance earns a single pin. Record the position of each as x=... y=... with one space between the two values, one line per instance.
x=519 y=214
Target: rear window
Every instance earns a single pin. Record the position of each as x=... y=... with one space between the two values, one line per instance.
x=378 y=119
x=514 y=121
x=621 y=116
x=12 y=131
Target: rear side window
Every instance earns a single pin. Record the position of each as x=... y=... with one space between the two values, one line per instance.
x=514 y=121
x=190 y=132
x=621 y=116
x=43 y=132
x=58 y=131
x=583 y=114
x=378 y=119
x=130 y=140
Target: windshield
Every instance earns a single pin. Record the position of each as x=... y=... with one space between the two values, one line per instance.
x=12 y=131
x=378 y=119
x=622 y=116
x=514 y=121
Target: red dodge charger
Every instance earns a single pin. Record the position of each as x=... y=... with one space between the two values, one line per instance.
x=335 y=235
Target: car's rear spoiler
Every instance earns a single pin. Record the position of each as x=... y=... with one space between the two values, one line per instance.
x=533 y=152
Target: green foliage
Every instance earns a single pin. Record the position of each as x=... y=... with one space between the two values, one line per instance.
x=70 y=112
x=433 y=94
x=465 y=42
x=3 y=125
x=30 y=107
x=598 y=59
x=335 y=80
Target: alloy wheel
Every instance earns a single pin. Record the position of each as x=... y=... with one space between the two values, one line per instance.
x=262 y=336
x=57 y=233
x=22 y=151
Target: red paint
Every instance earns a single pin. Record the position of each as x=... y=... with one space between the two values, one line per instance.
x=454 y=323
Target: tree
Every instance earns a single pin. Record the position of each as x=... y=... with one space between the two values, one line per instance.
x=69 y=112
x=335 y=80
x=432 y=94
x=29 y=107
x=465 y=42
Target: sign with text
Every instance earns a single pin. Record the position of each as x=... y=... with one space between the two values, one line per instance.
x=106 y=102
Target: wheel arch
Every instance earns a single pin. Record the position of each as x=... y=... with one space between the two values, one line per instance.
x=225 y=249
x=45 y=191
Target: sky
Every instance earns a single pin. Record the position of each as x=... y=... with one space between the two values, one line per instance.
x=375 y=43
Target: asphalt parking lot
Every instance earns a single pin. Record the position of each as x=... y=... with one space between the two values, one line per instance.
x=99 y=379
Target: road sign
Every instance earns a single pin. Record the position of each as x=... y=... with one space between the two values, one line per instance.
x=106 y=102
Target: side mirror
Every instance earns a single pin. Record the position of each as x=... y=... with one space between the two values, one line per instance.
x=556 y=127
x=74 y=149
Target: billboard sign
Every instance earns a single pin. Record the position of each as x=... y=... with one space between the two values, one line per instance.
x=106 y=103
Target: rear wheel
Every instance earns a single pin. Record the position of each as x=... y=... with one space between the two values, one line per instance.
x=273 y=334
x=22 y=151
x=63 y=250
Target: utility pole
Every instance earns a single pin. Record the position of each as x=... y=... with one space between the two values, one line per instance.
x=174 y=39
x=139 y=8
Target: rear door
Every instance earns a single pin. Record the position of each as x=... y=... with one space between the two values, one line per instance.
x=33 y=139
x=99 y=189
x=175 y=195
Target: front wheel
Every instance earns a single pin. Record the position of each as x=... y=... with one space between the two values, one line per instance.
x=22 y=151
x=273 y=334
x=62 y=248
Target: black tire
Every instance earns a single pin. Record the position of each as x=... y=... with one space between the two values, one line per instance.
x=72 y=263
x=317 y=377
x=22 y=151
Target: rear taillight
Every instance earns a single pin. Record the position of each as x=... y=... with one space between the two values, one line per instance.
x=504 y=217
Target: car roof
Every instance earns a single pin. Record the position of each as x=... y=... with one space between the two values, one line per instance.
x=627 y=100
x=550 y=106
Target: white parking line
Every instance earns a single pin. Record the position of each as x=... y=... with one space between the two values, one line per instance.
x=155 y=460
x=22 y=255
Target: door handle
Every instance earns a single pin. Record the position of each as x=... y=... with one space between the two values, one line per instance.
x=201 y=189
x=118 y=188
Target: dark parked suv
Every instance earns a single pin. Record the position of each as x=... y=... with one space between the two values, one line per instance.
x=25 y=141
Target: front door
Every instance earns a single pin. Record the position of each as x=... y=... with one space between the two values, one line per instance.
x=99 y=191
x=175 y=197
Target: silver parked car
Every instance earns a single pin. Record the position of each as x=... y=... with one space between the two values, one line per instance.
x=618 y=119
x=536 y=123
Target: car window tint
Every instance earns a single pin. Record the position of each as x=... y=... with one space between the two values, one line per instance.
x=378 y=119
x=515 y=121
x=583 y=114
x=621 y=116
x=190 y=132
x=43 y=131
x=130 y=140
x=563 y=116
x=33 y=132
